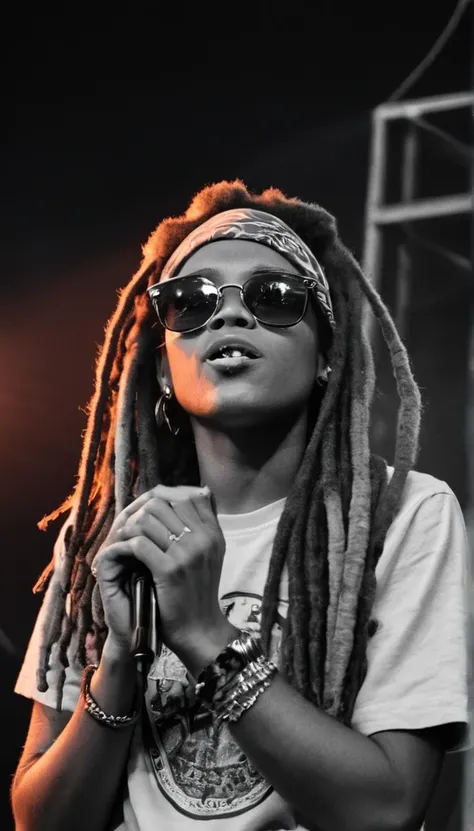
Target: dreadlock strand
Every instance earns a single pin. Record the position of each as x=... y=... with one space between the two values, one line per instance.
x=148 y=468
x=409 y=414
x=124 y=430
x=272 y=585
x=96 y=408
x=357 y=669
x=286 y=650
x=97 y=608
x=298 y=607
x=96 y=411
x=316 y=578
x=102 y=524
x=336 y=535
x=297 y=499
x=54 y=603
x=359 y=524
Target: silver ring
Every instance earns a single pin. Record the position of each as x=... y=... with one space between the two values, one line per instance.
x=174 y=538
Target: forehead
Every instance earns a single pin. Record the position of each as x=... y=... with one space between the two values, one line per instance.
x=231 y=257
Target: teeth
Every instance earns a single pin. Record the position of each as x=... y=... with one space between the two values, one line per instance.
x=230 y=353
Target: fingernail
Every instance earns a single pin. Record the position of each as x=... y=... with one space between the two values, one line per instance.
x=205 y=490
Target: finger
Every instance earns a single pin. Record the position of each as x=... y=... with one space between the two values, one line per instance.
x=172 y=516
x=175 y=494
x=119 y=558
x=162 y=511
x=145 y=523
x=188 y=514
x=110 y=564
x=179 y=493
x=154 y=558
x=204 y=508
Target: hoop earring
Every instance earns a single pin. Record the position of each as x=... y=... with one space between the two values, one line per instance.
x=161 y=415
x=323 y=379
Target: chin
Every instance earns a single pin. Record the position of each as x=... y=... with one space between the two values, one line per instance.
x=243 y=414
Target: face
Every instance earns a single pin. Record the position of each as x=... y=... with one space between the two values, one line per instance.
x=255 y=390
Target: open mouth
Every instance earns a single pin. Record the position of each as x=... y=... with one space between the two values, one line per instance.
x=232 y=353
x=232 y=358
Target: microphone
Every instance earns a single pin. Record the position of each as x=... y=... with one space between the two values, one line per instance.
x=142 y=601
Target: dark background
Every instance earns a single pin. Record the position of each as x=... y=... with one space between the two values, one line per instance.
x=272 y=94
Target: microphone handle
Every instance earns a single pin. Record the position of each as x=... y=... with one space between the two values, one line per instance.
x=142 y=593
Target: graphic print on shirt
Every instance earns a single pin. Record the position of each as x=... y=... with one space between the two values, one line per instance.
x=203 y=772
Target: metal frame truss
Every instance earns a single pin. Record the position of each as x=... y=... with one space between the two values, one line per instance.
x=381 y=216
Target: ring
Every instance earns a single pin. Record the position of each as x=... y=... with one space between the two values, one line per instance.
x=174 y=538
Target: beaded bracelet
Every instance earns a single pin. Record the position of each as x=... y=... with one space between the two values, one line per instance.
x=91 y=706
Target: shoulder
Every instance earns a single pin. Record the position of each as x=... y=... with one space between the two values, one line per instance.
x=428 y=532
x=418 y=658
x=418 y=487
x=428 y=507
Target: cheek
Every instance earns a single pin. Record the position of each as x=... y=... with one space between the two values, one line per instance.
x=192 y=389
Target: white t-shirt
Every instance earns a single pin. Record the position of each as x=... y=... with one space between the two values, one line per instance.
x=184 y=776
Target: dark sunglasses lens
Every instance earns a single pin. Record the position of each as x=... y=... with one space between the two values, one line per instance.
x=186 y=303
x=278 y=301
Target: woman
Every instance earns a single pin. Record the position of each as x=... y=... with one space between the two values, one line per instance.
x=227 y=454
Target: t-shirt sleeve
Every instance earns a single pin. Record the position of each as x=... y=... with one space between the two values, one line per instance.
x=418 y=658
x=26 y=683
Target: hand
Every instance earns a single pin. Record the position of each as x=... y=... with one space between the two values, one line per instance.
x=185 y=572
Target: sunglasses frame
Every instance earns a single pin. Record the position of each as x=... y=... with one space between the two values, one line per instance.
x=155 y=290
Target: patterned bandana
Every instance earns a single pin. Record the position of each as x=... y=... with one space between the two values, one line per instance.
x=256 y=226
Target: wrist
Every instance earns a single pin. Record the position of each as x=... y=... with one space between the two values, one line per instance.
x=116 y=654
x=204 y=649
x=114 y=684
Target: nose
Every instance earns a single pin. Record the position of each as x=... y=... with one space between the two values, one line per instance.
x=231 y=311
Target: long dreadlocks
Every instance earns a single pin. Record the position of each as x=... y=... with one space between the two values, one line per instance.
x=333 y=526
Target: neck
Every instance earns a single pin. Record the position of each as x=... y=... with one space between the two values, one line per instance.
x=249 y=468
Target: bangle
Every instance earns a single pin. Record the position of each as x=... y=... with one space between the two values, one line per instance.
x=250 y=675
x=239 y=707
x=229 y=663
x=91 y=706
x=243 y=694
x=234 y=681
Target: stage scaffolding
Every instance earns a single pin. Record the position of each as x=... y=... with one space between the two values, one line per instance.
x=380 y=215
x=395 y=211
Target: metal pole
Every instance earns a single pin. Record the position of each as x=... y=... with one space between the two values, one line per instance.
x=372 y=258
x=469 y=756
x=456 y=203
x=431 y=104
x=404 y=264
x=375 y=196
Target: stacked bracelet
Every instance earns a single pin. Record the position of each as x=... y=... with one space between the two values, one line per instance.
x=91 y=706
x=243 y=693
x=228 y=664
x=234 y=681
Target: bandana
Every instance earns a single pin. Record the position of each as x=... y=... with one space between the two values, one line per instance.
x=256 y=226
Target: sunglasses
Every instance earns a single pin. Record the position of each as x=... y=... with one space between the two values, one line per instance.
x=185 y=304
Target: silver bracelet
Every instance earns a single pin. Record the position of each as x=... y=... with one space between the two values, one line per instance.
x=251 y=683
x=240 y=705
x=91 y=706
